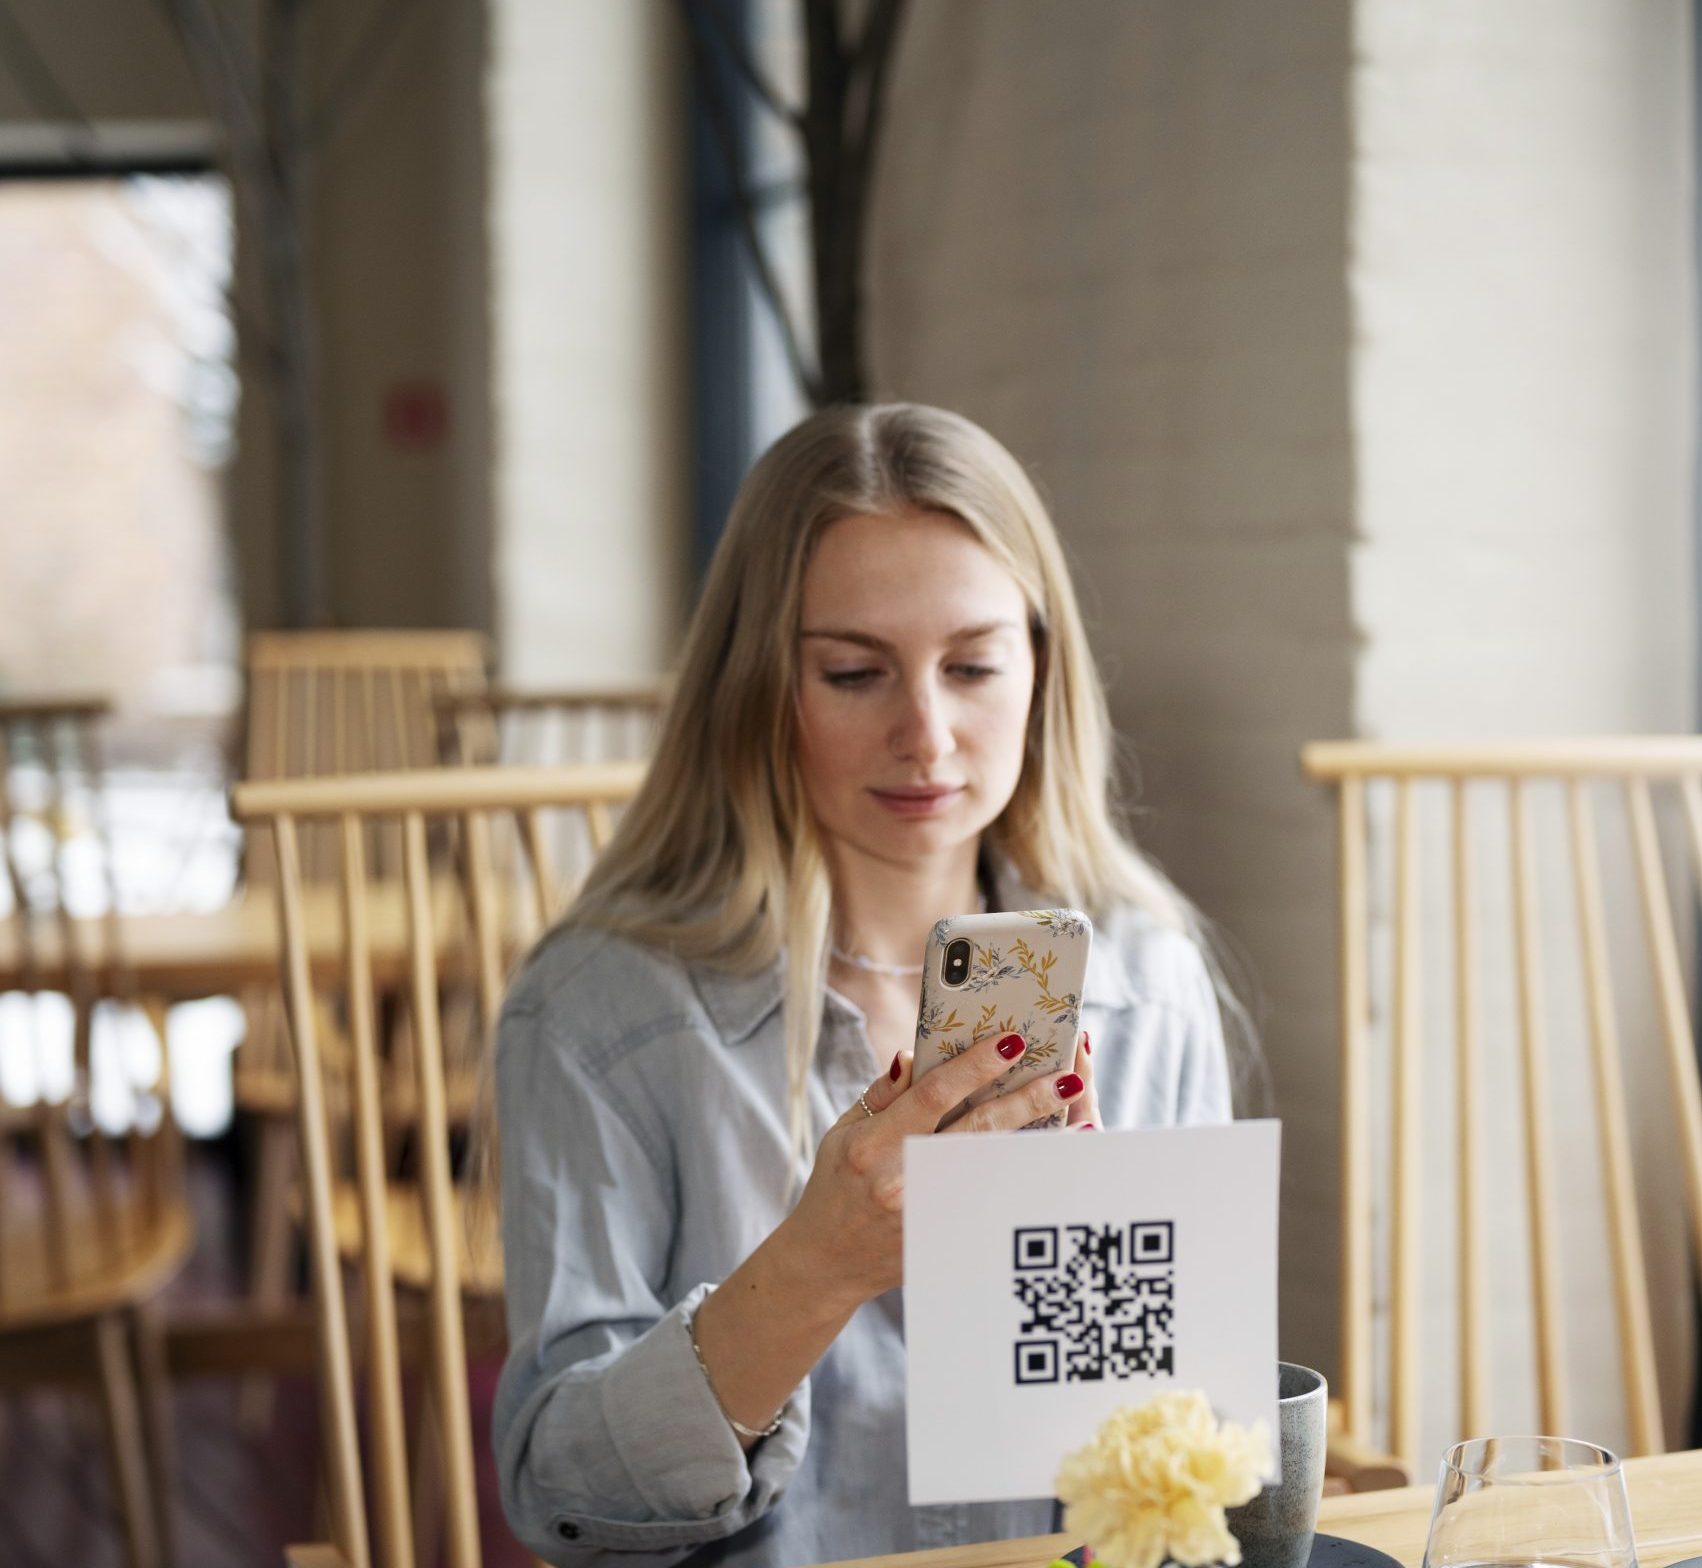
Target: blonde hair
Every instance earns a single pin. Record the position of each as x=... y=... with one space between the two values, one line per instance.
x=718 y=859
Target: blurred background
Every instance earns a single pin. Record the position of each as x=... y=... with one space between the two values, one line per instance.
x=1352 y=342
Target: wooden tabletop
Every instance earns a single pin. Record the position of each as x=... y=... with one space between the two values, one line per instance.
x=179 y=957
x=1666 y=1513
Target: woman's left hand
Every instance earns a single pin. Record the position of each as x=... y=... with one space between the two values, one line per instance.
x=1084 y=1109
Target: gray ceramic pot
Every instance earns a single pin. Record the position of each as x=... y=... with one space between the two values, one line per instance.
x=1275 y=1528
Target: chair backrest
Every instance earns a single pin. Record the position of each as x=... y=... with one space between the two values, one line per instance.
x=52 y=805
x=323 y=704
x=91 y=1176
x=1525 y=882
x=475 y=808
x=541 y=728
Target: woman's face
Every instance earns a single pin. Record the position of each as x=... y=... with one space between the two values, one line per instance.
x=916 y=672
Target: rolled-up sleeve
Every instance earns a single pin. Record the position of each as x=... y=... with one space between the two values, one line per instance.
x=608 y=1439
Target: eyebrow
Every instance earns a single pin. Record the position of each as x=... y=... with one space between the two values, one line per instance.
x=881 y=645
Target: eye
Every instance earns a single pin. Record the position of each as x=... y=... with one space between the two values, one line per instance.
x=850 y=680
x=974 y=672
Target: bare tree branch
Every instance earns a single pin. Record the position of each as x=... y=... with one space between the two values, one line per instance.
x=248 y=171
x=43 y=89
x=721 y=122
x=870 y=61
x=234 y=102
x=733 y=45
x=833 y=209
x=264 y=158
x=47 y=95
x=232 y=81
x=880 y=26
x=359 y=67
x=869 y=72
x=863 y=83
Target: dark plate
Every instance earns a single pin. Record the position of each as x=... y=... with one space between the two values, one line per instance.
x=1331 y=1551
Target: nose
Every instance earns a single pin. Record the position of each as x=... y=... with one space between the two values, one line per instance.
x=921 y=731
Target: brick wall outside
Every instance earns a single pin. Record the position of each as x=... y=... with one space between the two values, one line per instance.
x=109 y=532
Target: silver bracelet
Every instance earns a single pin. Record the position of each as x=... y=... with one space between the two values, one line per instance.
x=738 y=1426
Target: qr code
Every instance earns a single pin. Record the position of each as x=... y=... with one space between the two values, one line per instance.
x=1098 y=1301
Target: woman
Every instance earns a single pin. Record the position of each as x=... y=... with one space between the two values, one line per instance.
x=887 y=714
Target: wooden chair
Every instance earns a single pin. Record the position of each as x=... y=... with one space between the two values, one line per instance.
x=321 y=704
x=544 y=728
x=328 y=704
x=94 y=1220
x=1490 y=812
x=410 y=1240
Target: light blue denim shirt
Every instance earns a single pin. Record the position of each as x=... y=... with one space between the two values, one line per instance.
x=645 y=1155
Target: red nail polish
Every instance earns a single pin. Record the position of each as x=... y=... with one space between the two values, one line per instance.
x=1086 y=1044
x=1085 y=1127
x=1012 y=1046
x=896 y=1068
x=1069 y=1086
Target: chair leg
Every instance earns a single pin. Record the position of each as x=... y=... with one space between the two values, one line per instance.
x=155 y=1384
x=125 y=1444
x=425 y=1464
x=269 y=1253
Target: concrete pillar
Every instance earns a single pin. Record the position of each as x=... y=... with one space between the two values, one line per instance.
x=588 y=228
x=1122 y=245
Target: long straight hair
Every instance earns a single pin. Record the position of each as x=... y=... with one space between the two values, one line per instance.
x=718 y=858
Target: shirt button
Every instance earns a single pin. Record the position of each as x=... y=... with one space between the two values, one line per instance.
x=568 y=1530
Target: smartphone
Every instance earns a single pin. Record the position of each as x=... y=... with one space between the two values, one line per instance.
x=1018 y=972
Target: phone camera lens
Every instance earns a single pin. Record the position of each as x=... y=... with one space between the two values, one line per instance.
x=955 y=969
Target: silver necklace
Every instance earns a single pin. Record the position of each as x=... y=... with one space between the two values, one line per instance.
x=896 y=971
x=870 y=966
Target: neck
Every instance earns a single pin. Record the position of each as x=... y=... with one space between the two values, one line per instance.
x=885 y=910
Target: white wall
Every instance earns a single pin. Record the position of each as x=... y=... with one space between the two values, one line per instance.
x=589 y=215
x=1523 y=414
x=1522 y=282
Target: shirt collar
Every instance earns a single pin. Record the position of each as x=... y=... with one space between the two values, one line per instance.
x=739 y=1005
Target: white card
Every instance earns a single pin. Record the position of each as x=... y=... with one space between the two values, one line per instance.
x=1031 y=1258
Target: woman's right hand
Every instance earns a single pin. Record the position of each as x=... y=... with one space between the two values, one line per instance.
x=847 y=1227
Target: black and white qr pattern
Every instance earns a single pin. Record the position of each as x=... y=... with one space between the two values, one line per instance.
x=1098 y=1301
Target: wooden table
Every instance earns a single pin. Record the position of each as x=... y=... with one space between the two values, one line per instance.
x=180 y=957
x=183 y=957
x=1666 y=1513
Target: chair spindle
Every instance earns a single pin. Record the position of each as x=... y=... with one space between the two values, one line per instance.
x=1407 y=1083
x=1467 y=1129
x=449 y=1389
x=1631 y=1289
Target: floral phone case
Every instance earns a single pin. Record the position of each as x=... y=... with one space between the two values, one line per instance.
x=1025 y=974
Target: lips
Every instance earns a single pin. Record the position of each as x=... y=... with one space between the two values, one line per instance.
x=917 y=800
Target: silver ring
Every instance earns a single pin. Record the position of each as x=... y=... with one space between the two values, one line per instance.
x=863 y=1100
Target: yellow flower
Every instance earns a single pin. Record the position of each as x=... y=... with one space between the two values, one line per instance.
x=1155 y=1480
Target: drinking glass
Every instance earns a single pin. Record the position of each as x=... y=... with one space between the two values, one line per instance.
x=1535 y=1502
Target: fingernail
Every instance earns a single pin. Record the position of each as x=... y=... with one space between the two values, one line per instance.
x=1085 y=1127
x=1086 y=1045
x=1012 y=1046
x=1069 y=1086
x=896 y=1068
